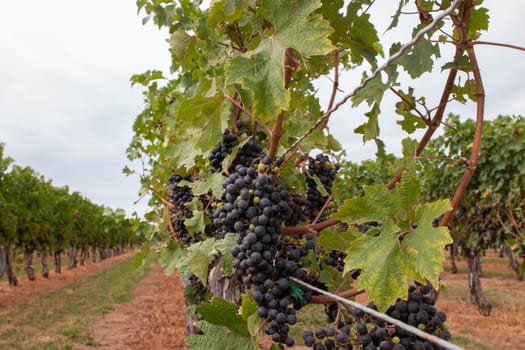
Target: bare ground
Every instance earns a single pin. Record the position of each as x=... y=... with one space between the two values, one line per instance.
x=504 y=328
x=154 y=319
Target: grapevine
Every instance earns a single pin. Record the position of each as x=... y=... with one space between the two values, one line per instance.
x=244 y=126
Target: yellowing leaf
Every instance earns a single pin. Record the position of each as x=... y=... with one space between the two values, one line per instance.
x=384 y=264
x=428 y=241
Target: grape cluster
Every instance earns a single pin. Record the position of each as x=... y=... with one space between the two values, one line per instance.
x=255 y=207
x=333 y=337
x=194 y=291
x=245 y=156
x=335 y=259
x=248 y=153
x=222 y=150
x=359 y=330
x=322 y=168
x=297 y=205
x=179 y=196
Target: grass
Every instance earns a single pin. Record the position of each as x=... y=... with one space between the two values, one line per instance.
x=468 y=344
x=309 y=317
x=62 y=318
x=501 y=299
x=485 y=273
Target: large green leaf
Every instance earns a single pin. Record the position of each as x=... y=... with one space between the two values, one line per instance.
x=223 y=313
x=262 y=69
x=384 y=263
x=204 y=119
x=376 y=205
x=407 y=245
x=199 y=257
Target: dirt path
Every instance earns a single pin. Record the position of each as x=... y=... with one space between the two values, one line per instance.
x=153 y=320
x=27 y=290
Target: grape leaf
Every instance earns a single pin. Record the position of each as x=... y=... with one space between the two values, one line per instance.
x=249 y=314
x=407 y=191
x=407 y=245
x=205 y=119
x=248 y=308
x=429 y=241
x=370 y=129
x=384 y=265
x=184 y=154
x=209 y=182
x=262 y=69
x=217 y=338
x=376 y=205
x=195 y=224
x=419 y=59
x=139 y=260
x=183 y=48
x=226 y=10
x=333 y=240
x=223 y=313
x=225 y=246
x=171 y=257
x=353 y=29
x=479 y=21
x=199 y=257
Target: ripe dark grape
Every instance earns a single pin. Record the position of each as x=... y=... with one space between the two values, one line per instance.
x=325 y=171
x=180 y=195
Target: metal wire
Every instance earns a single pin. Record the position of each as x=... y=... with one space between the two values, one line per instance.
x=411 y=329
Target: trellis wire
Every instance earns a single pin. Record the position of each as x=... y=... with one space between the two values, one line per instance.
x=384 y=317
x=385 y=65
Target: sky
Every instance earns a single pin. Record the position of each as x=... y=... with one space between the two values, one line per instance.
x=67 y=105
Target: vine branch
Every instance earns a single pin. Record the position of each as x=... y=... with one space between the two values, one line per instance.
x=288 y=230
x=476 y=146
x=323 y=299
x=509 y=46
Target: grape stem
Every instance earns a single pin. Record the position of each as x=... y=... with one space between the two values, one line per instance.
x=323 y=299
x=288 y=230
x=334 y=89
x=238 y=105
x=173 y=234
x=322 y=210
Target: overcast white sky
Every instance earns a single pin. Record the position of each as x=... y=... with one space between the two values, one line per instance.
x=67 y=107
